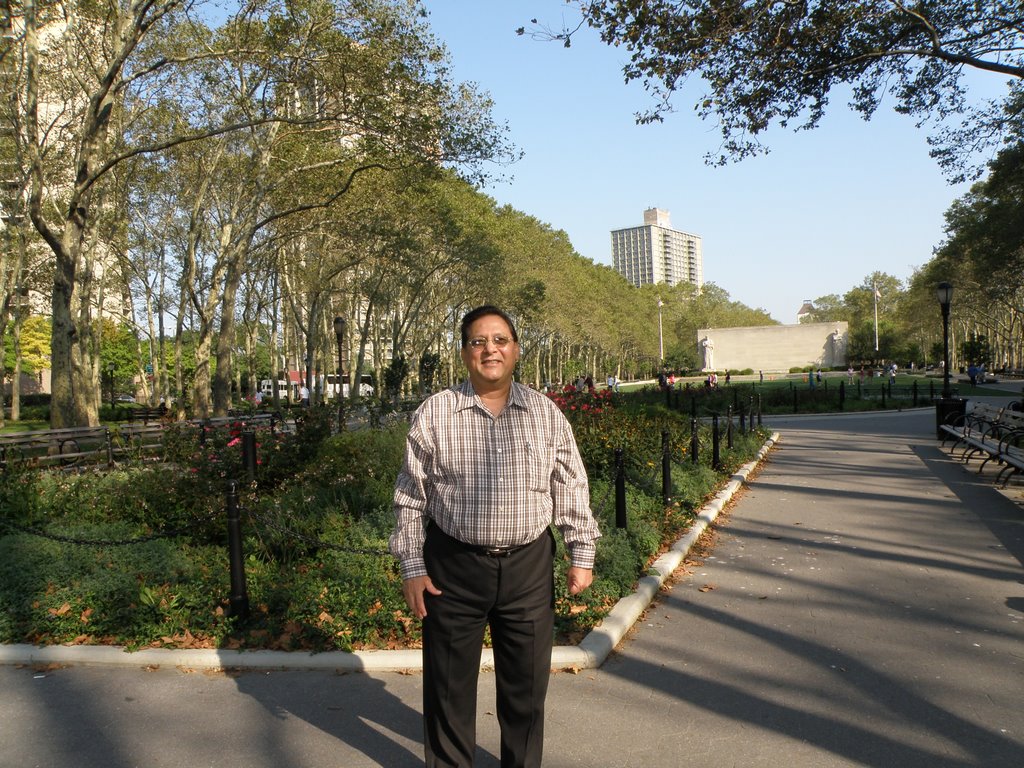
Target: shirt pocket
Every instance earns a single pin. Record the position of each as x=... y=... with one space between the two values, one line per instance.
x=541 y=463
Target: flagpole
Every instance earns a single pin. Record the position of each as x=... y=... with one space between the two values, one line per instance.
x=875 y=291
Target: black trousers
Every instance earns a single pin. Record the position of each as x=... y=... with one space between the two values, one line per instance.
x=514 y=595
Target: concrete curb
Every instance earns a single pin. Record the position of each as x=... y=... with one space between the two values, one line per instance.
x=590 y=653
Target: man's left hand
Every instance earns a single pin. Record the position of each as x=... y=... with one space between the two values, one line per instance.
x=578 y=579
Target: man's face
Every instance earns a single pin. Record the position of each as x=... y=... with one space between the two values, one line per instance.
x=490 y=355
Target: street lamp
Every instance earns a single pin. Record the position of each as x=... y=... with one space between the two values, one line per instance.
x=339 y=333
x=661 y=336
x=944 y=293
x=110 y=376
x=947 y=407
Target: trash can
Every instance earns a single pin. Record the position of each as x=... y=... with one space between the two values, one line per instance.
x=949 y=410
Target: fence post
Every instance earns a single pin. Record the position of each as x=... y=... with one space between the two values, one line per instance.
x=666 y=469
x=931 y=390
x=716 y=450
x=842 y=394
x=743 y=423
x=239 y=600
x=914 y=388
x=110 y=447
x=694 y=444
x=620 y=490
x=883 y=395
x=249 y=453
x=728 y=429
x=759 y=409
x=693 y=406
x=795 y=405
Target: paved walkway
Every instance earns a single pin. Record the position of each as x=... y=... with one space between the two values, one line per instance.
x=863 y=606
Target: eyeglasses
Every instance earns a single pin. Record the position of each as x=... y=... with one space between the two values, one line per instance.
x=479 y=342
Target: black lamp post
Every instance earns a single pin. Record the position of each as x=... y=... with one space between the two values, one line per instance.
x=947 y=408
x=110 y=376
x=339 y=333
x=944 y=293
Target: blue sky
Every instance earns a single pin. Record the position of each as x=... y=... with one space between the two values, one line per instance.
x=816 y=216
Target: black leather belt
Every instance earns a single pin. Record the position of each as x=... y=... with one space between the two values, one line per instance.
x=479 y=549
x=494 y=551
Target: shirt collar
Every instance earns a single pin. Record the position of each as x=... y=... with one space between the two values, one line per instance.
x=467 y=398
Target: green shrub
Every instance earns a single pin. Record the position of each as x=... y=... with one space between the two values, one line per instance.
x=315 y=528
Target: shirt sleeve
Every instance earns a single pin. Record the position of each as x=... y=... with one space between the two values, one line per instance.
x=412 y=489
x=570 y=495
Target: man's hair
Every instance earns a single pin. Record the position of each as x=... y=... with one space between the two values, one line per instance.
x=487 y=309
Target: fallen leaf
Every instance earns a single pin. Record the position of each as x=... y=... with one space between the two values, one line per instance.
x=706 y=588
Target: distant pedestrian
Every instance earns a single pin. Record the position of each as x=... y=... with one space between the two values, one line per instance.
x=304 y=396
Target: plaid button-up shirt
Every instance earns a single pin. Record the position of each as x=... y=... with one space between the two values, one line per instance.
x=491 y=481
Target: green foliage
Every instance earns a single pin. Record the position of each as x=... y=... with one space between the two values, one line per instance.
x=394 y=375
x=315 y=540
x=767 y=63
x=35 y=345
x=976 y=349
x=429 y=363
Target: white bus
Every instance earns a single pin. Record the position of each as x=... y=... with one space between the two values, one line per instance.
x=267 y=389
x=331 y=385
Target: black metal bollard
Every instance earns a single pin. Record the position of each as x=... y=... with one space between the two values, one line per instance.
x=759 y=409
x=842 y=394
x=620 y=490
x=931 y=390
x=249 y=453
x=728 y=429
x=693 y=407
x=716 y=450
x=239 y=599
x=666 y=469
x=914 y=391
x=694 y=443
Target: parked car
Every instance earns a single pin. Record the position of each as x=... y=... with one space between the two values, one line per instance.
x=125 y=399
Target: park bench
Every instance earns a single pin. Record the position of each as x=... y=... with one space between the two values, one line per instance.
x=137 y=440
x=993 y=432
x=74 y=446
x=146 y=414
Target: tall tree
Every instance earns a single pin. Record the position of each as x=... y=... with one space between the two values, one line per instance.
x=767 y=62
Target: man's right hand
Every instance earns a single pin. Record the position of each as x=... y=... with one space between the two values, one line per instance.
x=413 y=590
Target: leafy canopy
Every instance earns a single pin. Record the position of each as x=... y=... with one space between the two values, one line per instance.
x=767 y=62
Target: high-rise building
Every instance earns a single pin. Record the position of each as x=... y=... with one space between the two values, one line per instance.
x=656 y=253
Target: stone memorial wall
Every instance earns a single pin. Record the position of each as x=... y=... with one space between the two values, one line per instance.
x=773 y=348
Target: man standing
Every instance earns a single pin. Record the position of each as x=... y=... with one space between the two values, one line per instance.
x=489 y=465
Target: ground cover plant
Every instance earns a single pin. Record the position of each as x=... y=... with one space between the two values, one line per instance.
x=137 y=556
